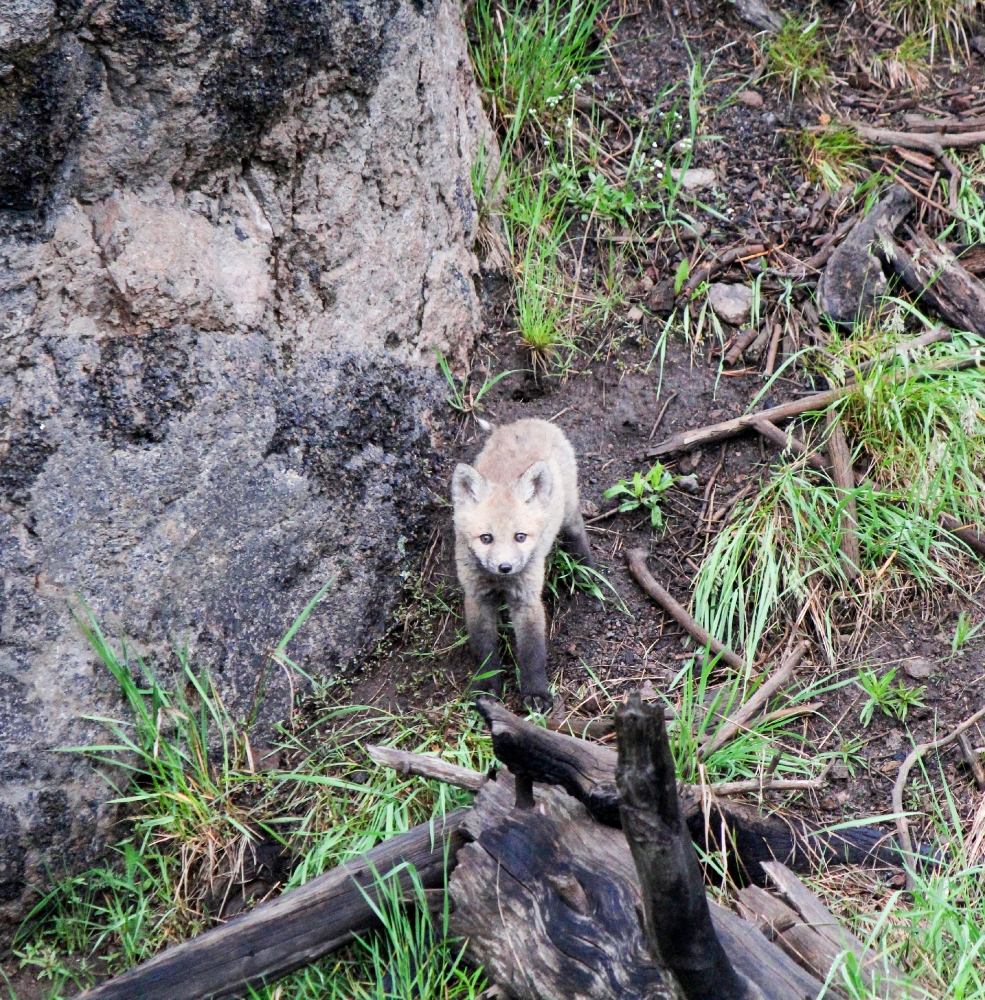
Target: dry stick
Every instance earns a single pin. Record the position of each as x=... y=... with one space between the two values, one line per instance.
x=636 y=559
x=973 y=760
x=935 y=144
x=427 y=767
x=702 y=274
x=731 y=504
x=787 y=442
x=774 y=344
x=663 y=409
x=742 y=341
x=843 y=476
x=902 y=826
x=688 y=440
x=775 y=785
x=760 y=697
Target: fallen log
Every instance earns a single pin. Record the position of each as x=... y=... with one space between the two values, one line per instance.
x=811 y=935
x=678 y=924
x=970 y=534
x=853 y=278
x=294 y=929
x=587 y=772
x=937 y=278
x=550 y=901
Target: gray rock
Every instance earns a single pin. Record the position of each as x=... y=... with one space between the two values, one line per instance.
x=918 y=667
x=732 y=303
x=230 y=239
x=695 y=178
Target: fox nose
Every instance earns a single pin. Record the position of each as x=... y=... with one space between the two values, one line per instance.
x=504 y=568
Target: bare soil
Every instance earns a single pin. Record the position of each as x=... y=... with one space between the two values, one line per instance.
x=608 y=406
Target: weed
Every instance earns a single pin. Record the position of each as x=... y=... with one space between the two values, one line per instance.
x=644 y=491
x=568 y=575
x=963 y=631
x=894 y=700
x=832 y=156
x=795 y=54
x=461 y=398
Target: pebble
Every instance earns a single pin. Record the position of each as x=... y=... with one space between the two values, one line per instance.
x=751 y=99
x=688 y=483
x=696 y=177
x=918 y=667
x=635 y=314
x=732 y=303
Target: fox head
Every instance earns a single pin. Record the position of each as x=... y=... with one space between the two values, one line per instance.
x=502 y=522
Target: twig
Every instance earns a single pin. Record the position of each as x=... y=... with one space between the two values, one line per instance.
x=731 y=504
x=935 y=144
x=787 y=442
x=427 y=767
x=760 y=697
x=723 y=260
x=902 y=825
x=843 y=476
x=687 y=440
x=604 y=516
x=774 y=344
x=744 y=339
x=581 y=255
x=973 y=760
x=636 y=560
x=660 y=415
x=970 y=534
x=776 y=785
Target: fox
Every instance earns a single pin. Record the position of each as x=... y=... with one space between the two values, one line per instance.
x=521 y=494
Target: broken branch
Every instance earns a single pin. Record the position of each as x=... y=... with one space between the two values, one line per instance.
x=787 y=442
x=427 y=767
x=843 y=476
x=636 y=559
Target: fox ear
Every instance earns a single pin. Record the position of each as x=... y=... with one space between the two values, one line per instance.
x=537 y=483
x=467 y=486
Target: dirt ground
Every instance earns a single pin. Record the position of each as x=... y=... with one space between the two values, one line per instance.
x=608 y=405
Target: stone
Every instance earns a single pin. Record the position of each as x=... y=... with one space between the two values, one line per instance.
x=695 y=178
x=918 y=667
x=751 y=98
x=231 y=238
x=634 y=314
x=732 y=303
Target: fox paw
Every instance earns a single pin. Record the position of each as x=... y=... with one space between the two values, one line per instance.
x=538 y=701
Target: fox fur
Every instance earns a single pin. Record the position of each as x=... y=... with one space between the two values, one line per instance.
x=509 y=508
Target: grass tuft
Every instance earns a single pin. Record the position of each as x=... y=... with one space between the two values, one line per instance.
x=831 y=157
x=795 y=55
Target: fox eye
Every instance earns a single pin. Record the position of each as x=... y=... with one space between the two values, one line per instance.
x=520 y=536
x=485 y=539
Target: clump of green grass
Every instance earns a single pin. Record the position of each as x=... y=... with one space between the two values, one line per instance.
x=795 y=55
x=832 y=156
x=922 y=436
x=567 y=575
x=463 y=397
x=943 y=23
x=198 y=802
x=531 y=62
x=904 y=66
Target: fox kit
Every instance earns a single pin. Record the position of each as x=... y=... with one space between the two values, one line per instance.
x=509 y=508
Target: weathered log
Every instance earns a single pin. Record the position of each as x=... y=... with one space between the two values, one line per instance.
x=936 y=277
x=853 y=278
x=678 y=924
x=970 y=534
x=427 y=767
x=883 y=978
x=587 y=772
x=294 y=929
x=550 y=904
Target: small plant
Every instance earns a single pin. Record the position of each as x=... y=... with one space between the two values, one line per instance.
x=795 y=54
x=643 y=491
x=905 y=66
x=568 y=575
x=963 y=631
x=462 y=398
x=893 y=700
x=938 y=21
x=831 y=157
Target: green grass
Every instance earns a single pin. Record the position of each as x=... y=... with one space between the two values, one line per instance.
x=921 y=437
x=463 y=397
x=892 y=699
x=196 y=802
x=945 y=24
x=795 y=55
x=832 y=156
x=904 y=66
x=567 y=576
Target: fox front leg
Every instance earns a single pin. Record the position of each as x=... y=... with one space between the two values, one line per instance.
x=481 y=620
x=574 y=541
x=530 y=628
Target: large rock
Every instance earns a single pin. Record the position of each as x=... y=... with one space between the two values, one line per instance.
x=231 y=234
